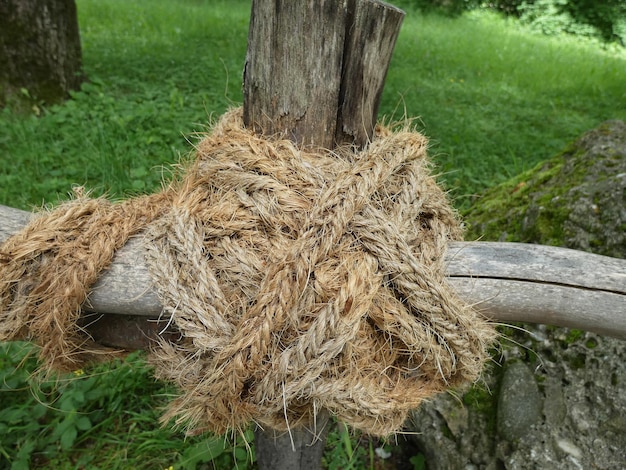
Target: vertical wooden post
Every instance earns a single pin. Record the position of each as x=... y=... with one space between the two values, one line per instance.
x=315 y=70
x=372 y=30
x=300 y=448
x=292 y=73
x=314 y=73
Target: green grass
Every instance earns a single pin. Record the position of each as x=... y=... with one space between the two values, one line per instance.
x=158 y=70
x=494 y=98
x=105 y=417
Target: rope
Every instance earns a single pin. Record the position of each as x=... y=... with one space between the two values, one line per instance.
x=299 y=280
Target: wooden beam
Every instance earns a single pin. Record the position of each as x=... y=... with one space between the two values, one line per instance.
x=517 y=282
x=508 y=282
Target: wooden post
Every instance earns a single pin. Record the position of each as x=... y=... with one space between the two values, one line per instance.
x=314 y=73
x=299 y=448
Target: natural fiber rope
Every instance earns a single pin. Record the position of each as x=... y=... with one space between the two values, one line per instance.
x=300 y=280
x=46 y=271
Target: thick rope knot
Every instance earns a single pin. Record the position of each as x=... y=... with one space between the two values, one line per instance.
x=317 y=281
x=303 y=280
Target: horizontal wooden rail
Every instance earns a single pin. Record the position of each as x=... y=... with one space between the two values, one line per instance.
x=519 y=282
x=507 y=282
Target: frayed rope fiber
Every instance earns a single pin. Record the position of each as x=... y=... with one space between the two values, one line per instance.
x=300 y=280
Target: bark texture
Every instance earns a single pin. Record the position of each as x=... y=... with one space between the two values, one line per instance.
x=40 y=52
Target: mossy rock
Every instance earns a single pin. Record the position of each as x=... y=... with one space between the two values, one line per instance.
x=558 y=410
x=577 y=199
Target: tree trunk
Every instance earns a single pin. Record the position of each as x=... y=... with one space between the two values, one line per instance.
x=40 y=53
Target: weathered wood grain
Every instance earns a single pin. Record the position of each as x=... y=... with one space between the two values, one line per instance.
x=513 y=282
x=537 y=263
x=315 y=71
x=292 y=45
x=373 y=29
x=511 y=301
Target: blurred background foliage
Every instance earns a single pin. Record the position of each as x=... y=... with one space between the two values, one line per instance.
x=604 y=20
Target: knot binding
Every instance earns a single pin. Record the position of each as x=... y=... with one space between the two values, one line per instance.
x=299 y=280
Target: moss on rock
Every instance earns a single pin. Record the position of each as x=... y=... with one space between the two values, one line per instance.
x=577 y=199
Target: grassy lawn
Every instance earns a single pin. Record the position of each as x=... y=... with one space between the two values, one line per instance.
x=158 y=70
x=494 y=99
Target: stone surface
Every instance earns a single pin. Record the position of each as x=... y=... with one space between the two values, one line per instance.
x=576 y=199
x=574 y=380
x=519 y=402
x=582 y=380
